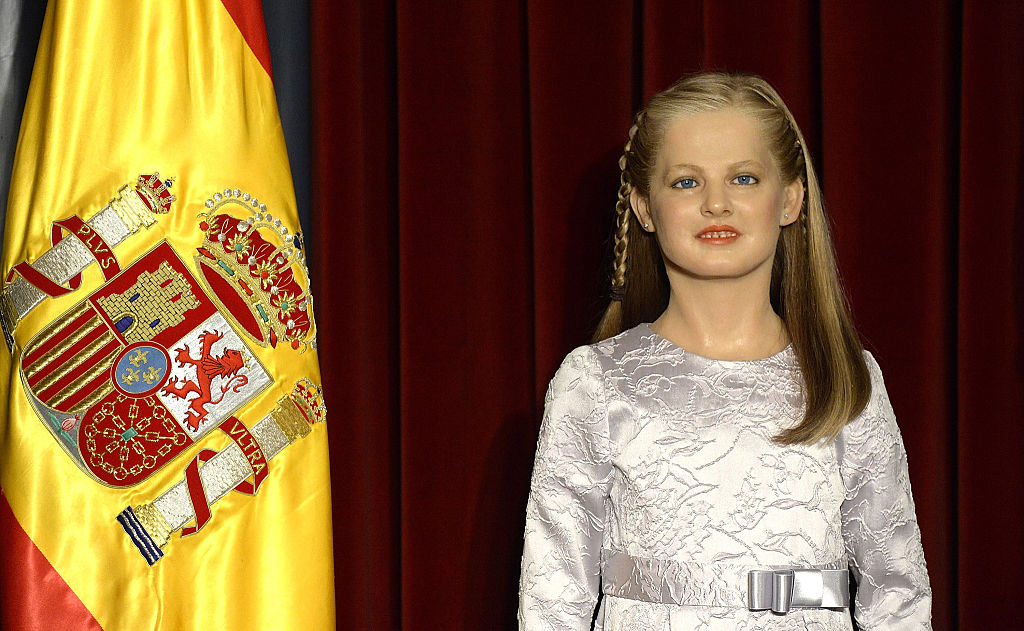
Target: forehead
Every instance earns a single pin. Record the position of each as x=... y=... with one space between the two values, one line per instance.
x=709 y=138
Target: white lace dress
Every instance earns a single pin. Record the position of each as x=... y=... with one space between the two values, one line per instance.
x=660 y=462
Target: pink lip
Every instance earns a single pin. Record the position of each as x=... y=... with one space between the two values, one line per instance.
x=725 y=234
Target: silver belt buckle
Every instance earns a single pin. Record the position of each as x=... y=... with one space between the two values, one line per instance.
x=782 y=590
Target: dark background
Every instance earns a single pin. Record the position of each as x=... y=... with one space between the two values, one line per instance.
x=456 y=165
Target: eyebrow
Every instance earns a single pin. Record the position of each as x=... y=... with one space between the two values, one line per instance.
x=736 y=165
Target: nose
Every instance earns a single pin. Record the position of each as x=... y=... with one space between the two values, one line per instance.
x=716 y=202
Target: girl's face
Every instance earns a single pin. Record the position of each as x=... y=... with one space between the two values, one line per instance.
x=717 y=202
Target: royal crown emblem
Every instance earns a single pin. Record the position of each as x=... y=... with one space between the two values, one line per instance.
x=155 y=193
x=256 y=270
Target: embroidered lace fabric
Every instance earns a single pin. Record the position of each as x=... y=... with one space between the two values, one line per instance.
x=651 y=451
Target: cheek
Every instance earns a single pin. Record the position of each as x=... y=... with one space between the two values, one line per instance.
x=668 y=210
x=768 y=212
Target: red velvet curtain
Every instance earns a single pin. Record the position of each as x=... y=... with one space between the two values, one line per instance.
x=464 y=179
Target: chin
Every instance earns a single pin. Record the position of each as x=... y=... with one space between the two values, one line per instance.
x=719 y=270
x=718 y=275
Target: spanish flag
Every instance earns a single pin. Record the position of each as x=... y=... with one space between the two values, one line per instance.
x=163 y=455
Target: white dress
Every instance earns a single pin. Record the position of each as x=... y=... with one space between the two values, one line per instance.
x=660 y=463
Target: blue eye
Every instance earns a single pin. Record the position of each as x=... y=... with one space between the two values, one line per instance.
x=686 y=182
x=745 y=180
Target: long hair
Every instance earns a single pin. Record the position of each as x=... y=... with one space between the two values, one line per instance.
x=805 y=289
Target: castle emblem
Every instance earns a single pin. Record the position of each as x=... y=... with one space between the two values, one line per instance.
x=156 y=301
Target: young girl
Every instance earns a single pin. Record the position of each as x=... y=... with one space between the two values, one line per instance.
x=734 y=464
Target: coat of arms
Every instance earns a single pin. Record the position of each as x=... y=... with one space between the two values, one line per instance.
x=154 y=359
x=134 y=374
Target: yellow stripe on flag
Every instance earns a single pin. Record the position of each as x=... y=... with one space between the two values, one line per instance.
x=122 y=90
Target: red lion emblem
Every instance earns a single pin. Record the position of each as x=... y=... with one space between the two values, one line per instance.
x=208 y=368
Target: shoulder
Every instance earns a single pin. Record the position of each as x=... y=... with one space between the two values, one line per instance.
x=878 y=400
x=609 y=355
x=875 y=426
x=604 y=362
x=579 y=364
x=628 y=350
x=875 y=371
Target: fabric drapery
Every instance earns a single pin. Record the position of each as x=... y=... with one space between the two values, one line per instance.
x=163 y=456
x=466 y=160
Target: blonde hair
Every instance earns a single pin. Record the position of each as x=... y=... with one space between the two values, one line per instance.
x=805 y=288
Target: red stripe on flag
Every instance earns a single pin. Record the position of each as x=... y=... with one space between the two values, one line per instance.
x=83 y=368
x=248 y=16
x=33 y=596
x=67 y=355
x=57 y=338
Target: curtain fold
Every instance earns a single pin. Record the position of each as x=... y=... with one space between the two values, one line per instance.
x=464 y=186
x=990 y=312
x=355 y=227
x=464 y=245
x=890 y=130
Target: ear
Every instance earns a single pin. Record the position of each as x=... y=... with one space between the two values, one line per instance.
x=794 y=202
x=639 y=204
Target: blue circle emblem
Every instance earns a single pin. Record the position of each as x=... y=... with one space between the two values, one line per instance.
x=141 y=369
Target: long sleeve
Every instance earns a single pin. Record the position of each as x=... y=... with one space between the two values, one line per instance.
x=565 y=515
x=879 y=522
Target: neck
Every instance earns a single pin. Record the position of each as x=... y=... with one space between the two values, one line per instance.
x=729 y=318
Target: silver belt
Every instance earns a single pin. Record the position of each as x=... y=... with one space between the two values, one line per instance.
x=725 y=584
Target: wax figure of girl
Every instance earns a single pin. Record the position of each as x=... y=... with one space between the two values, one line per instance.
x=724 y=456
